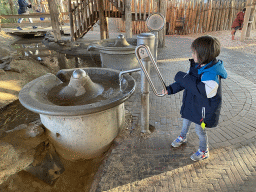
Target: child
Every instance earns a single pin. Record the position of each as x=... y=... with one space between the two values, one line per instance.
x=238 y=22
x=202 y=92
x=23 y=10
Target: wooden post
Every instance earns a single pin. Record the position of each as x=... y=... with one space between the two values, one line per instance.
x=128 y=18
x=248 y=14
x=231 y=14
x=103 y=22
x=54 y=19
x=11 y=6
x=161 y=35
x=201 y=18
x=209 y=16
x=251 y=18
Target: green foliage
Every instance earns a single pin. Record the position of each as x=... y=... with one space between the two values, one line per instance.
x=6 y=10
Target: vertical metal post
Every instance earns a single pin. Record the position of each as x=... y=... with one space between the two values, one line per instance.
x=149 y=40
x=156 y=45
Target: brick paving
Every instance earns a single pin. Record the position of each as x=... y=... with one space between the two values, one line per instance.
x=148 y=162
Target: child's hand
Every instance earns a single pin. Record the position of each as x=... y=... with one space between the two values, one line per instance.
x=165 y=92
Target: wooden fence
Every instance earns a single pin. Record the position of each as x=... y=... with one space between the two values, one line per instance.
x=197 y=17
x=188 y=16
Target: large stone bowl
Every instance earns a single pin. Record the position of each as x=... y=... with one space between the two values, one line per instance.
x=80 y=128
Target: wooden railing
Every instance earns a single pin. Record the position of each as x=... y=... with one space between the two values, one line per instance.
x=83 y=14
x=35 y=17
x=37 y=22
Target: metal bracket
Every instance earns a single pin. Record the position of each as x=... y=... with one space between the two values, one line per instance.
x=142 y=52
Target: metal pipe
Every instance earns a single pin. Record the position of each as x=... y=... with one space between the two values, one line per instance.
x=142 y=52
x=149 y=40
x=123 y=72
x=156 y=45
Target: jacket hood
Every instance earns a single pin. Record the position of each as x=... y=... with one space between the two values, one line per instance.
x=215 y=66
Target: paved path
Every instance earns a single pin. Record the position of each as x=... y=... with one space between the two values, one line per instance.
x=149 y=163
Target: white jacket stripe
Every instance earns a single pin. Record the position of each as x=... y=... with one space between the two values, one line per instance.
x=211 y=88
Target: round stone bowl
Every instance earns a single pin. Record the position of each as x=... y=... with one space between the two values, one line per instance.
x=116 y=53
x=80 y=128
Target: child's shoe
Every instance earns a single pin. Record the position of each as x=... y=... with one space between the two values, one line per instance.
x=177 y=142
x=19 y=28
x=200 y=155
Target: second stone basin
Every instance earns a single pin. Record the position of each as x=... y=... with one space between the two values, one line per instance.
x=117 y=53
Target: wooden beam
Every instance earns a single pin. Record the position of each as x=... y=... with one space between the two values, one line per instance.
x=32 y=15
x=161 y=35
x=12 y=25
x=104 y=34
x=55 y=19
x=128 y=18
x=71 y=21
x=247 y=18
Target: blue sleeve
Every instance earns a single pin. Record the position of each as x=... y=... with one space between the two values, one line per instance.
x=174 y=88
x=190 y=83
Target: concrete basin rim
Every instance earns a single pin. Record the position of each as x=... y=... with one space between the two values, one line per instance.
x=36 y=106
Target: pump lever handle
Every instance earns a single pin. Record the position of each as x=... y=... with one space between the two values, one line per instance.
x=142 y=52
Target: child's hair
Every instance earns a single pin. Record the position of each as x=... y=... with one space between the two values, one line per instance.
x=207 y=48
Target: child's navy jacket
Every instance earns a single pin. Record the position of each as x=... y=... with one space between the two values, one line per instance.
x=202 y=92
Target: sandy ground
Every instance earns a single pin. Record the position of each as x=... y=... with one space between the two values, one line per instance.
x=26 y=70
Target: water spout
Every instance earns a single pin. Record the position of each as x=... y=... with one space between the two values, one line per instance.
x=123 y=72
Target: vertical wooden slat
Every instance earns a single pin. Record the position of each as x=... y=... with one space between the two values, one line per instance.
x=135 y=8
x=225 y=17
x=153 y=6
x=191 y=17
x=75 y=24
x=175 y=10
x=106 y=8
x=167 y=19
x=221 y=18
x=206 y=6
x=209 y=15
x=231 y=14
x=149 y=5
x=145 y=10
x=193 y=27
x=95 y=2
x=85 y=15
x=71 y=20
x=183 y=16
x=128 y=19
x=78 y=19
x=216 y=17
x=213 y=15
x=186 y=24
x=197 y=10
x=201 y=18
x=140 y=9
x=82 y=15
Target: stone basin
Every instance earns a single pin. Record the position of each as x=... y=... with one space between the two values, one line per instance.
x=116 y=53
x=82 y=109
